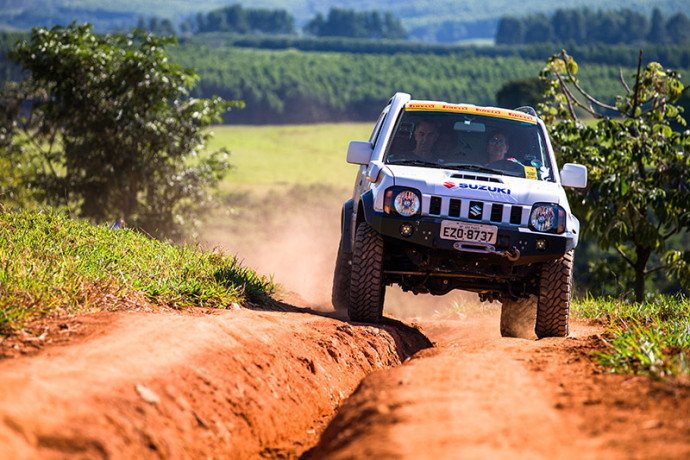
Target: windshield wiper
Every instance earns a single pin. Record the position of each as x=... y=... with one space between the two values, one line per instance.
x=486 y=169
x=473 y=167
x=416 y=163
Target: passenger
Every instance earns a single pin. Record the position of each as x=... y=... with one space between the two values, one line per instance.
x=497 y=147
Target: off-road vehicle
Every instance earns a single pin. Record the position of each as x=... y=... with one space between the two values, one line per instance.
x=433 y=210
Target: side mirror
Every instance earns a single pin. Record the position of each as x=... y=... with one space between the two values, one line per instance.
x=359 y=152
x=574 y=175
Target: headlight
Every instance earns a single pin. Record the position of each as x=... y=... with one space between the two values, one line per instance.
x=547 y=218
x=406 y=202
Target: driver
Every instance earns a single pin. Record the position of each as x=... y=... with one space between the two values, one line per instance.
x=425 y=136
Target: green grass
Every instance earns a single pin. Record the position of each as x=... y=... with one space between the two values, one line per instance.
x=51 y=264
x=651 y=338
x=277 y=156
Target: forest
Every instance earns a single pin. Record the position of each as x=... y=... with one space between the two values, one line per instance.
x=237 y=20
x=300 y=87
x=337 y=81
x=288 y=77
x=586 y=26
x=579 y=26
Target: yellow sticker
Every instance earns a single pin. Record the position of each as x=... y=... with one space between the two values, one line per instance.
x=468 y=108
x=531 y=172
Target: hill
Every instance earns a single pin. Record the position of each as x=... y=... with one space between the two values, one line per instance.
x=426 y=20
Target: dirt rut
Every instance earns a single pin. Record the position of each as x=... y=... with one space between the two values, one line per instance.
x=238 y=384
x=477 y=395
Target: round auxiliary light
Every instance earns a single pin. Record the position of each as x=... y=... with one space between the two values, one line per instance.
x=406 y=230
x=543 y=218
x=407 y=203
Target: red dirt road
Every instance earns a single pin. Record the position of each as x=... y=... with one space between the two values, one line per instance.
x=476 y=395
x=256 y=384
x=224 y=384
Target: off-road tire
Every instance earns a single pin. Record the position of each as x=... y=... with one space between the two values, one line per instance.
x=555 y=287
x=340 y=295
x=518 y=317
x=367 y=288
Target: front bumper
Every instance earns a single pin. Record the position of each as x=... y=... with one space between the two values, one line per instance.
x=518 y=245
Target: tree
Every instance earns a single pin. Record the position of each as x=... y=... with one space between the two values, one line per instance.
x=112 y=129
x=638 y=195
x=657 y=28
x=350 y=23
x=538 y=29
x=510 y=31
x=518 y=93
x=569 y=25
x=393 y=28
x=678 y=28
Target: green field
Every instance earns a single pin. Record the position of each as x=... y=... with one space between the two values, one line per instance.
x=276 y=156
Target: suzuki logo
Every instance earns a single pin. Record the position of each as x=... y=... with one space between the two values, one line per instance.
x=475 y=210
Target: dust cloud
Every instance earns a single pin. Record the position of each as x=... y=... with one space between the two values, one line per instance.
x=292 y=235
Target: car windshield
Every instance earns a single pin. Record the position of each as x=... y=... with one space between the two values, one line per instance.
x=470 y=142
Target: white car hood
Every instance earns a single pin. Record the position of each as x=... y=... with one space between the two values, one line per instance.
x=479 y=186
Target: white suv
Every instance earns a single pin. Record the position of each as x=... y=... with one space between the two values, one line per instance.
x=457 y=196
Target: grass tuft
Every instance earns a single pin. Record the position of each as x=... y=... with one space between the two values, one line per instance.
x=50 y=264
x=651 y=338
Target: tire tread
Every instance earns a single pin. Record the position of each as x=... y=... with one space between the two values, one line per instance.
x=555 y=290
x=366 y=281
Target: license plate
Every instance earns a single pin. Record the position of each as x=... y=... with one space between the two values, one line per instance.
x=464 y=231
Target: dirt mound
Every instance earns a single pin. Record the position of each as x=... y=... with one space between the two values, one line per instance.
x=140 y=385
x=477 y=395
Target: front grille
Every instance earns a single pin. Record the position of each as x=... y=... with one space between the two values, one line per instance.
x=516 y=215
x=496 y=212
x=474 y=210
x=454 y=207
x=435 y=205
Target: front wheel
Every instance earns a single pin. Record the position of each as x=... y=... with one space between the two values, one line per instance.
x=340 y=295
x=366 y=280
x=555 y=289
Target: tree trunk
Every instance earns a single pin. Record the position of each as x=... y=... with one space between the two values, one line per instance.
x=129 y=203
x=643 y=255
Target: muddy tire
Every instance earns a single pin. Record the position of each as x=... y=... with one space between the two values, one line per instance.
x=518 y=317
x=555 y=287
x=340 y=295
x=366 y=281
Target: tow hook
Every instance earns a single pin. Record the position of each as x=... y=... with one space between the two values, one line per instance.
x=511 y=254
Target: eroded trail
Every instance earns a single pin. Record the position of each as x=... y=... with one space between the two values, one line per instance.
x=477 y=395
x=256 y=384
x=230 y=384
